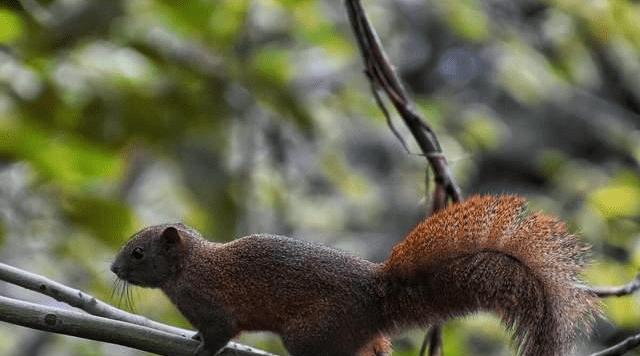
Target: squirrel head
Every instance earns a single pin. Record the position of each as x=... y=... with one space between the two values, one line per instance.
x=153 y=255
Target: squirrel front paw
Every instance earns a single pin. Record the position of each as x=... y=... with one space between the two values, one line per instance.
x=201 y=350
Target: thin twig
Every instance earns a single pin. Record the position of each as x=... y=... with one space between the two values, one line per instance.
x=423 y=346
x=387 y=116
x=433 y=339
x=381 y=74
x=620 y=348
x=617 y=291
x=436 y=341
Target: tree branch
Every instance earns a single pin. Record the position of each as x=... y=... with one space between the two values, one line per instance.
x=94 y=306
x=620 y=348
x=79 y=299
x=97 y=328
x=617 y=291
x=433 y=339
x=381 y=74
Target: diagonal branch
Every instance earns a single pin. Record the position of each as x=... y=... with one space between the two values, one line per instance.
x=97 y=328
x=79 y=299
x=94 y=306
x=79 y=324
x=382 y=76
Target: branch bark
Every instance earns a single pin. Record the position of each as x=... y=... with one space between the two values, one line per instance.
x=97 y=328
x=30 y=315
x=382 y=76
x=79 y=299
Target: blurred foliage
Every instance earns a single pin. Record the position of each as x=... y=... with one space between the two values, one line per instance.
x=241 y=116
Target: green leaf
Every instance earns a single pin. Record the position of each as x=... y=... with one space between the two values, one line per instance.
x=467 y=19
x=617 y=200
x=65 y=159
x=272 y=65
x=481 y=129
x=108 y=219
x=270 y=78
x=11 y=26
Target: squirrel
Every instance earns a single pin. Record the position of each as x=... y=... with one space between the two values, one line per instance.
x=488 y=253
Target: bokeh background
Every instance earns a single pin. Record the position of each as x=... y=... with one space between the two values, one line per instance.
x=242 y=116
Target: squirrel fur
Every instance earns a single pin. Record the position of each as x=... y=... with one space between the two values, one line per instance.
x=487 y=253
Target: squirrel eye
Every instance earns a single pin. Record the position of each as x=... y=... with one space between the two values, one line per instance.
x=137 y=253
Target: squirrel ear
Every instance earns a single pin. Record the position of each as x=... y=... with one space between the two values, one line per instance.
x=171 y=235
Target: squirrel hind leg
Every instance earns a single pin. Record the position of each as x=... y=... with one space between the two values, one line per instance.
x=379 y=346
x=335 y=345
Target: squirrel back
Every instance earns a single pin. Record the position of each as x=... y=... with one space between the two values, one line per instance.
x=484 y=254
x=489 y=253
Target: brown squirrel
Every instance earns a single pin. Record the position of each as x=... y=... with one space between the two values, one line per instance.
x=486 y=253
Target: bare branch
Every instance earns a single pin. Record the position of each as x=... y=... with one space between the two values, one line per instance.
x=97 y=328
x=433 y=339
x=79 y=299
x=381 y=74
x=94 y=306
x=620 y=348
x=78 y=324
x=617 y=291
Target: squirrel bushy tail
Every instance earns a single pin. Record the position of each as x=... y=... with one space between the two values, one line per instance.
x=489 y=253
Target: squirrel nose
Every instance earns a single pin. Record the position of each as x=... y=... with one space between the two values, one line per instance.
x=114 y=268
